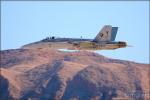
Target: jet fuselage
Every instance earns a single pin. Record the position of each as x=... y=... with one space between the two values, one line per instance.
x=104 y=40
x=83 y=44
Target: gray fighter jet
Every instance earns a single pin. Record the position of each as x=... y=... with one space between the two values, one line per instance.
x=105 y=40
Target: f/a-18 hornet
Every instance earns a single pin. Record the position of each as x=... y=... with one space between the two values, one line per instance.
x=105 y=40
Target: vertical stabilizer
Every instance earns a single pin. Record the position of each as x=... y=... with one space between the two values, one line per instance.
x=107 y=33
x=114 y=33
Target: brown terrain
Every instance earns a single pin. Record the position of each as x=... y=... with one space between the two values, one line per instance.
x=46 y=74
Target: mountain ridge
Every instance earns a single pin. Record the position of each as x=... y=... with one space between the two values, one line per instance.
x=37 y=74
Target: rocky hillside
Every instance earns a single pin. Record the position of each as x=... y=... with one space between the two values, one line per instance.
x=45 y=74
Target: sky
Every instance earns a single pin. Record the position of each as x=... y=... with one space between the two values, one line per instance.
x=24 y=22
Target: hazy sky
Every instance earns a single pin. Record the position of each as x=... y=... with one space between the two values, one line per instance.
x=26 y=22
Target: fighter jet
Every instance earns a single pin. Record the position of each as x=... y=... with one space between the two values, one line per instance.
x=105 y=40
